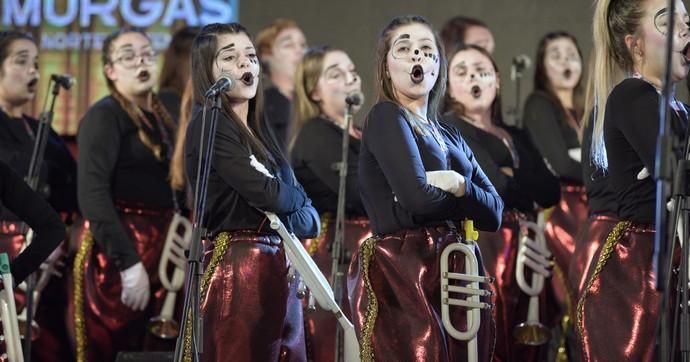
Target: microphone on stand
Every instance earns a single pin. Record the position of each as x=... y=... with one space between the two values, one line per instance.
x=66 y=81
x=222 y=84
x=355 y=98
x=520 y=63
x=517 y=68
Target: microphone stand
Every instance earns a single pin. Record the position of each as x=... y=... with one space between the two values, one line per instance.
x=663 y=239
x=199 y=232
x=337 y=252
x=516 y=75
x=32 y=179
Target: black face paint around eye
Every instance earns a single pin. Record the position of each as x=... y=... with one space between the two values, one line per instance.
x=432 y=56
x=658 y=15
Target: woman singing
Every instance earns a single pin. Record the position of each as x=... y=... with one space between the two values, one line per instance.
x=394 y=282
x=630 y=39
x=19 y=59
x=515 y=168
x=324 y=79
x=124 y=151
x=250 y=311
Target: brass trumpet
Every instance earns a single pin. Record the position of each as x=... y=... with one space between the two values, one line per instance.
x=535 y=255
x=8 y=313
x=472 y=279
x=176 y=243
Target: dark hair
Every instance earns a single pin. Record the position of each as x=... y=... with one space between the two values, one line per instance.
x=177 y=55
x=134 y=112
x=7 y=38
x=203 y=58
x=454 y=30
x=451 y=105
x=384 y=84
x=541 y=79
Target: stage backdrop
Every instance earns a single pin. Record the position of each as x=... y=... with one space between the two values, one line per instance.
x=70 y=32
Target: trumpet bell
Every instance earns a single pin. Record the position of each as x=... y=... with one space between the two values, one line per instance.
x=531 y=333
x=164 y=328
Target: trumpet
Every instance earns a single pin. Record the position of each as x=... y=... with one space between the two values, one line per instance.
x=535 y=255
x=303 y=265
x=472 y=280
x=176 y=243
x=8 y=313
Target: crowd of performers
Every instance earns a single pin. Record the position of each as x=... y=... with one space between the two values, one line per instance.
x=432 y=151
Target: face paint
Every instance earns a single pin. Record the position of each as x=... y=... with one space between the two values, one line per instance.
x=562 y=63
x=650 y=51
x=237 y=57
x=413 y=60
x=338 y=80
x=472 y=80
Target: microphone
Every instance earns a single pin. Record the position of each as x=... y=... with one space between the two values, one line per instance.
x=355 y=98
x=520 y=63
x=66 y=81
x=221 y=85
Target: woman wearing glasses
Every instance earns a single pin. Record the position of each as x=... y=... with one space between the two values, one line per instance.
x=125 y=145
x=323 y=80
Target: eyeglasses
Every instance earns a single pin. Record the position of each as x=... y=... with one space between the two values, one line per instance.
x=338 y=75
x=132 y=60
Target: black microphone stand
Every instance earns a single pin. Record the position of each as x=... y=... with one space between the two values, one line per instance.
x=516 y=73
x=337 y=251
x=45 y=121
x=199 y=232
x=664 y=239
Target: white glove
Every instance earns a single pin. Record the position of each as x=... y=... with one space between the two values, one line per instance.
x=259 y=166
x=449 y=181
x=135 y=287
x=643 y=174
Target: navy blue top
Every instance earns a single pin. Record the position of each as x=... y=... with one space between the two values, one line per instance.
x=532 y=181
x=236 y=189
x=392 y=165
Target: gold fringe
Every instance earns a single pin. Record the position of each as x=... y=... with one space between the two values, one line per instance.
x=79 y=272
x=221 y=246
x=366 y=256
x=606 y=251
x=314 y=246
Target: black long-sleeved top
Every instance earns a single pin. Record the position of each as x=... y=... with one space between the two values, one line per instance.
x=58 y=174
x=532 y=181
x=278 y=112
x=552 y=135
x=600 y=197
x=317 y=148
x=32 y=208
x=631 y=126
x=236 y=189
x=116 y=167
x=392 y=165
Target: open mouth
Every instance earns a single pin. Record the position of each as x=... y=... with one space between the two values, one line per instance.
x=143 y=75
x=476 y=92
x=32 y=85
x=567 y=73
x=684 y=53
x=417 y=74
x=247 y=78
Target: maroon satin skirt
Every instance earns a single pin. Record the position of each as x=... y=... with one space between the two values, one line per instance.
x=250 y=311
x=101 y=325
x=587 y=245
x=51 y=343
x=499 y=252
x=562 y=227
x=618 y=311
x=320 y=325
x=395 y=293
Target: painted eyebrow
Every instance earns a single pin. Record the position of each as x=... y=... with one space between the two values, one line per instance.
x=334 y=66
x=660 y=12
x=227 y=47
x=22 y=53
x=401 y=37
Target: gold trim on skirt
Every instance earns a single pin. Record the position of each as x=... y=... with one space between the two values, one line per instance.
x=366 y=256
x=78 y=271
